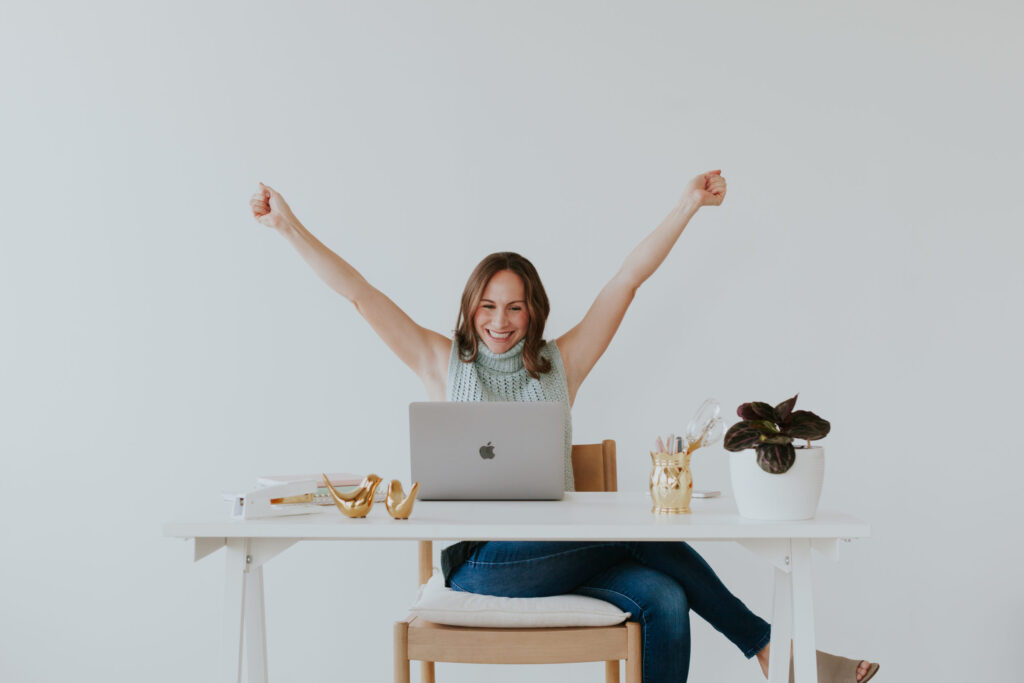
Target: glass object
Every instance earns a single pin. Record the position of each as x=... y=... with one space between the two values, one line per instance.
x=705 y=427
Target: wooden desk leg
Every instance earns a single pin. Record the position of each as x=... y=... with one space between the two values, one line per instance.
x=782 y=627
x=255 y=627
x=234 y=610
x=804 y=658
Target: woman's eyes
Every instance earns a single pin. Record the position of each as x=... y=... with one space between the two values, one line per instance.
x=511 y=308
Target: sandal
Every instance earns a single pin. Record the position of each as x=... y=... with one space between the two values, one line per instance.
x=835 y=669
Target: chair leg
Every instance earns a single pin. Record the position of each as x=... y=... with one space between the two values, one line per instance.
x=427 y=672
x=611 y=672
x=634 y=671
x=401 y=662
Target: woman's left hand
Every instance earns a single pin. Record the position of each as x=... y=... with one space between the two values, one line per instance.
x=707 y=189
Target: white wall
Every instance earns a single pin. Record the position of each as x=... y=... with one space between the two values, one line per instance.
x=158 y=346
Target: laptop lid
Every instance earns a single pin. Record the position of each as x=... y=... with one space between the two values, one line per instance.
x=488 y=450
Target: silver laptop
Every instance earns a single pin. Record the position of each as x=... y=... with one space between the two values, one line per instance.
x=488 y=450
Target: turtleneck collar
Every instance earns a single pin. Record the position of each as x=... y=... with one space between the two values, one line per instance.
x=510 y=361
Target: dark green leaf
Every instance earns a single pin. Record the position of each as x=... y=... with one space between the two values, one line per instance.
x=757 y=411
x=784 y=410
x=806 y=425
x=776 y=458
x=779 y=439
x=743 y=435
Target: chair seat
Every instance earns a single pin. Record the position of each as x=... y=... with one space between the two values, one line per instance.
x=423 y=638
x=442 y=605
x=440 y=643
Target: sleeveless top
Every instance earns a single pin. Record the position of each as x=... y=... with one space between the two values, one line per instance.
x=503 y=377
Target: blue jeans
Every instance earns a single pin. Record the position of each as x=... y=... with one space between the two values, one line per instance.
x=658 y=583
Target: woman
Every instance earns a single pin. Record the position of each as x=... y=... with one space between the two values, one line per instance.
x=504 y=307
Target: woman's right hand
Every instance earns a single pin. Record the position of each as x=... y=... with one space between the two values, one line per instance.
x=270 y=209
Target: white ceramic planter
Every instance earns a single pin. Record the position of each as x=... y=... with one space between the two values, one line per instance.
x=779 y=497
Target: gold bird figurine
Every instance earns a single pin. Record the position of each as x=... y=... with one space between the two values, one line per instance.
x=399 y=504
x=356 y=503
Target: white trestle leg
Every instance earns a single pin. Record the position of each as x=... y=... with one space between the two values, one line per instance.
x=804 y=659
x=234 y=610
x=782 y=627
x=255 y=627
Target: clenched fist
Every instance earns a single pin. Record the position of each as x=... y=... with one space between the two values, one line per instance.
x=270 y=208
x=707 y=189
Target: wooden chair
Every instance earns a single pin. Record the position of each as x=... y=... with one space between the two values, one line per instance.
x=594 y=469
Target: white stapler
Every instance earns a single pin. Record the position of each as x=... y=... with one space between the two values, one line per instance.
x=295 y=498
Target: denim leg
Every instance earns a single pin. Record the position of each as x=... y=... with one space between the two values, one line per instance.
x=531 y=569
x=706 y=593
x=659 y=604
x=673 y=578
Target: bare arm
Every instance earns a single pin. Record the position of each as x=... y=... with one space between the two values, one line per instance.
x=424 y=351
x=584 y=344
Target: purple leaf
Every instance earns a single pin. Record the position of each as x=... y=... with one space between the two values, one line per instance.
x=806 y=425
x=784 y=410
x=776 y=458
x=743 y=435
x=757 y=410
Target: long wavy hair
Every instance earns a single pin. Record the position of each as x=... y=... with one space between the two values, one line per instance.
x=536 y=305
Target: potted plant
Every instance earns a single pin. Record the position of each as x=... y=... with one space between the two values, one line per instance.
x=782 y=481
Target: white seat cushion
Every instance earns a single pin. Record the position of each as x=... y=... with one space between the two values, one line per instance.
x=443 y=605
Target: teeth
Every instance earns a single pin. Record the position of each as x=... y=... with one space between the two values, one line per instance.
x=499 y=336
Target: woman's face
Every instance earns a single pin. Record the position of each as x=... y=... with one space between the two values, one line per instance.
x=501 y=318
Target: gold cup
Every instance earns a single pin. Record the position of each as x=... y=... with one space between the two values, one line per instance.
x=671 y=483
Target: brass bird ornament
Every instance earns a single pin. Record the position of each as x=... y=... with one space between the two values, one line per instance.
x=355 y=503
x=399 y=504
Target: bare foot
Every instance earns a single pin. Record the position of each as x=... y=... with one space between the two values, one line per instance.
x=763 y=656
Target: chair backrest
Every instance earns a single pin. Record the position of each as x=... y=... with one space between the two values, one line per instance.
x=593 y=468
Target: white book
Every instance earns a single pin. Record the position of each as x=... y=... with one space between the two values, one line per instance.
x=337 y=479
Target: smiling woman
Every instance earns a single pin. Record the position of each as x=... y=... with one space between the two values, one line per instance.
x=503 y=296
x=499 y=354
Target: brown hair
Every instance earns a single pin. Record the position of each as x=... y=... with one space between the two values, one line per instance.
x=536 y=305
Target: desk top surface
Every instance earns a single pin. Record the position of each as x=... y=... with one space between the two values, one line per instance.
x=580 y=516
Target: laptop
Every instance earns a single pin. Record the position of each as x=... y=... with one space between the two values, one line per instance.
x=488 y=450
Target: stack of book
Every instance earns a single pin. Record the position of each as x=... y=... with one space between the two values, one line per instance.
x=343 y=482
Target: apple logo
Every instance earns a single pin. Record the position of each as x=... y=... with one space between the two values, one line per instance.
x=487 y=452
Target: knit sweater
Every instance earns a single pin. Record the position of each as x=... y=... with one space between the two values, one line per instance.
x=503 y=377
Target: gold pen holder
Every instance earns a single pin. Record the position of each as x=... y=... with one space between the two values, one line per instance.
x=671 y=483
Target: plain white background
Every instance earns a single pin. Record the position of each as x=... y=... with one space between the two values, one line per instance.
x=158 y=346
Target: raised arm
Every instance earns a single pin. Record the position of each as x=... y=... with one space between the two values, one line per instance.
x=581 y=346
x=424 y=351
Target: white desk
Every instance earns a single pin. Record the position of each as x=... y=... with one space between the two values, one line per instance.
x=623 y=516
